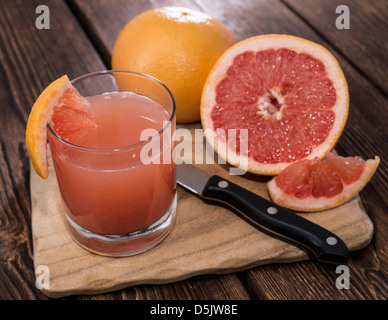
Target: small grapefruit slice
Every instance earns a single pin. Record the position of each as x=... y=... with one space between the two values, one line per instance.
x=289 y=93
x=315 y=185
x=61 y=106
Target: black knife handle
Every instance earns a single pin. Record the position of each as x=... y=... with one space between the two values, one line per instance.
x=325 y=245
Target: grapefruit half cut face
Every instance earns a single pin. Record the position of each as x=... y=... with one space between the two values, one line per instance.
x=290 y=95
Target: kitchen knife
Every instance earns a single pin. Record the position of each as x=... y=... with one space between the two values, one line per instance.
x=263 y=214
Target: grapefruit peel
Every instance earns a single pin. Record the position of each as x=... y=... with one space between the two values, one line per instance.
x=57 y=94
x=40 y=115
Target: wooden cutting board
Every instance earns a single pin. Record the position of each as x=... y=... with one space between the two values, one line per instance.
x=206 y=240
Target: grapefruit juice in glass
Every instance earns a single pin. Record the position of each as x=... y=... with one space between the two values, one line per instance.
x=118 y=180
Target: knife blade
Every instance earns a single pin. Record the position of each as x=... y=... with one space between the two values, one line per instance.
x=263 y=214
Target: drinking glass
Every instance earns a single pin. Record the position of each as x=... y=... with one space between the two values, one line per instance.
x=119 y=201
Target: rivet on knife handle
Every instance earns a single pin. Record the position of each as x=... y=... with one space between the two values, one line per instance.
x=325 y=245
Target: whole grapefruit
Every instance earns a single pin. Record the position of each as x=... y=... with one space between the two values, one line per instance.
x=178 y=46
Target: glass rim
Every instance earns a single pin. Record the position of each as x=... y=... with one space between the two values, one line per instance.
x=135 y=145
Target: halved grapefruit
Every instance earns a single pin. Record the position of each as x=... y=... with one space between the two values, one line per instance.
x=315 y=185
x=289 y=93
x=61 y=105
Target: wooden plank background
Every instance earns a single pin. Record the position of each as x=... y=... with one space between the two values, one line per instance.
x=80 y=40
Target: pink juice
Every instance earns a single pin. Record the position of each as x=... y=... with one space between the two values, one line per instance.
x=115 y=191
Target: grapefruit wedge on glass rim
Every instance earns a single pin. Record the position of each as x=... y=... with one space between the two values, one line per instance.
x=289 y=93
x=62 y=107
x=315 y=185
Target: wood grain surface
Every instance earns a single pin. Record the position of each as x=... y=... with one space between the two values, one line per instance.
x=80 y=40
x=362 y=44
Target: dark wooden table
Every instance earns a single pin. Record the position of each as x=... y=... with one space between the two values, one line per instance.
x=80 y=40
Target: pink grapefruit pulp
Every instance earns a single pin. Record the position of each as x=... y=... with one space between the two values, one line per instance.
x=314 y=185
